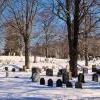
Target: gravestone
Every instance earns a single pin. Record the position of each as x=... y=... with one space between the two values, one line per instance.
x=93 y=68
x=85 y=70
x=24 y=68
x=78 y=85
x=59 y=83
x=13 y=69
x=65 y=77
x=6 y=68
x=81 y=77
x=95 y=77
x=42 y=81
x=69 y=84
x=98 y=71
x=61 y=71
x=50 y=82
x=20 y=69
x=49 y=72
x=35 y=74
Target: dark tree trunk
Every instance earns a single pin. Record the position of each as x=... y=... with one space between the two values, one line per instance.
x=73 y=36
x=26 y=41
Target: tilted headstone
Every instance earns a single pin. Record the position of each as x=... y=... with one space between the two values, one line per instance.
x=42 y=81
x=49 y=72
x=95 y=77
x=65 y=77
x=93 y=68
x=78 y=85
x=85 y=70
x=69 y=84
x=81 y=77
x=13 y=69
x=50 y=82
x=59 y=83
x=35 y=74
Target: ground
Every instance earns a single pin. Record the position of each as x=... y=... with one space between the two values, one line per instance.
x=18 y=86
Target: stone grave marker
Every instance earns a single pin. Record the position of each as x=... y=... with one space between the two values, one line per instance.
x=69 y=84
x=65 y=77
x=35 y=74
x=59 y=83
x=81 y=77
x=42 y=81
x=95 y=77
x=49 y=72
x=93 y=68
x=13 y=70
x=50 y=82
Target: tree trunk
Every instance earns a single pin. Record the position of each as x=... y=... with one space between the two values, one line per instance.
x=26 y=41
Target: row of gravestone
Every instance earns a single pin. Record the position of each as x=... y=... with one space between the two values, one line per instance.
x=13 y=69
x=59 y=83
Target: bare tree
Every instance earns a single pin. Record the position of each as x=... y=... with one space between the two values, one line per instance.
x=23 y=13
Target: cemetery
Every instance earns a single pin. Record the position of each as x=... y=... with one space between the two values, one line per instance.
x=86 y=85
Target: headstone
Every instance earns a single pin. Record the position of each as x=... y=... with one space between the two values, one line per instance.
x=61 y=71
x=69 y=84
x=65 y=77
x=49 y=72
x=6 y=68
x=93 y=68
x=81 y=78
x=78 y=85
x=59 y=83
x=13 y=69
x=98 y=71
x=42 y=81
x=24 y=68
x=85 y=70
x=50 y=82
x=35 y=74
x=20 y=69
x=95 y=77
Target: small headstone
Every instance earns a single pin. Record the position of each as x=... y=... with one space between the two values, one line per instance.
x=93 y=68
x=24 y=68
x=50 y=82
x=49 y=72
x=65 y=77
x=78 y=85
x=6 y=68
x=98 y=71
x=13 y=69
x=95 y=77
x=42 y=81
x=59 y=83
x=69 y=84
x=81 y=78
x=20 y=69
x=85 y=70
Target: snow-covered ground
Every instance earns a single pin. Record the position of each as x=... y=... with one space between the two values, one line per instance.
x=18 y=85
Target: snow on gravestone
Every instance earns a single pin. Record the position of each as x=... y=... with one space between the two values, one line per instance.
x=35 y=74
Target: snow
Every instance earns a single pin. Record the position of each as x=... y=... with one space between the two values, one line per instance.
x=18 y=86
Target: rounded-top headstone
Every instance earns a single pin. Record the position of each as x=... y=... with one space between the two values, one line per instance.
x=78 y=85
x=69 y=84
x=6 y=68
x=59 y=83
x=50 y=82
x=42 y=81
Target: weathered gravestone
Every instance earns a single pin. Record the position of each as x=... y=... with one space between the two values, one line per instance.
x=13 y=69
x=35 y=74
x=49 y=72
x=78 y=85
x=42 y=81
x=81 y=77
x=65 y=77
x=94 y=68
x=85 y=70
x=69 y=84
x=59 y=83
x=20 y=69
x=50 y=82
x=6 y=68
x=95 y=77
